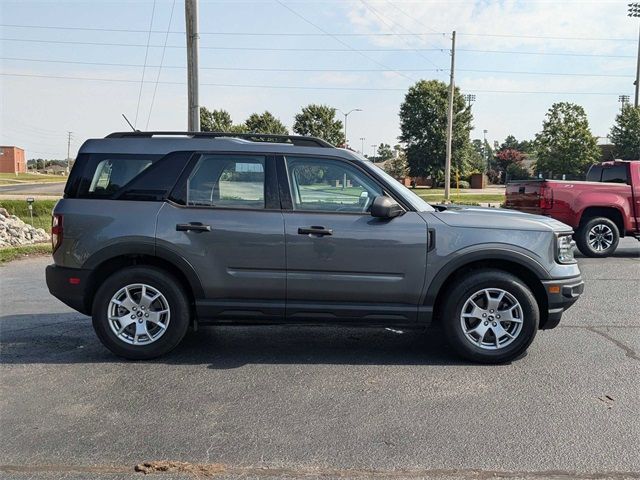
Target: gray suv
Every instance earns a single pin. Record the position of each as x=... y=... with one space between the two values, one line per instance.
x=160 y=231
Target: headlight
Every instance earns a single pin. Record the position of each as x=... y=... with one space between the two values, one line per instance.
x=564 y=248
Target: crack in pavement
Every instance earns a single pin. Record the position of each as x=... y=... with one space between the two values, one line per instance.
x=628 y=351
x=218 y=469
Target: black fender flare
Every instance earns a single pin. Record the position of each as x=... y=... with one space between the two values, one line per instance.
x=147 y=249
x=482 y=253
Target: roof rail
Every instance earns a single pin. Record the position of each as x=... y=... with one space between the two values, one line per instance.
x=296 y=140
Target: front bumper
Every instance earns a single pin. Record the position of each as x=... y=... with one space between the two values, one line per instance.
x=561 y=294
x=69 y=285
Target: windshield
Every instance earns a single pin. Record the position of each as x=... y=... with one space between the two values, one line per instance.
x=419 y=204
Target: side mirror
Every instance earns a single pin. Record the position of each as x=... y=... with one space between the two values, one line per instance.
x=385 y=207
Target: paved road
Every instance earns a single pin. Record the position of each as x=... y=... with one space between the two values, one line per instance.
x=53 y=189
x=271 y=402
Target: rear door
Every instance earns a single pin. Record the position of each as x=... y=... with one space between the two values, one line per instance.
x=224 y=218
x=343 y=264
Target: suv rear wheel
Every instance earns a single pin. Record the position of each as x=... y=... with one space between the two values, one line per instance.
x=598 y=237
x=490 y=317
x=140 y=313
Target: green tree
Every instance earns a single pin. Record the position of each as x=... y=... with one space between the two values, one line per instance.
x=397 y=165
x=510 y=143
x=423 y=125
x=625 y=133
x=215 y=120
x=566 y=145
x=265 y=123
x=384 y=152
x=319 y=121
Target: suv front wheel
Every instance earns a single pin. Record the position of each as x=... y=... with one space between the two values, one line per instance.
x=140 y=313
x=490 y=317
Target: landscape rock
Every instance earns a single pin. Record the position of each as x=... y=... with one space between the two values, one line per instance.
x=14 y=232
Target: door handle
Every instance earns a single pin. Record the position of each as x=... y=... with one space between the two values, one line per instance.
x=315 y=230
x=193 y=226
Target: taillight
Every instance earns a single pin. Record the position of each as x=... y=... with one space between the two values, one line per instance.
x=546 y=197
x=56 y=231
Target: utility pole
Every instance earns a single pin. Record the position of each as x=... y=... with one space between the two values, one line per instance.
x=68 y=150
x=191 y=20
x=447 y=166
x=634 y=12
x=373 y=153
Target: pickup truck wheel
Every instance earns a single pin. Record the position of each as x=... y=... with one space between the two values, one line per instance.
x=598 y=237
x=140 y=313
x=490 y=317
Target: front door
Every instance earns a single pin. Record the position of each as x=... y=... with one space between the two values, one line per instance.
x=224 y=219
x=342 y=263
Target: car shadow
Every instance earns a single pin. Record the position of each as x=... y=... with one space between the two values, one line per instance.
x=69 y=339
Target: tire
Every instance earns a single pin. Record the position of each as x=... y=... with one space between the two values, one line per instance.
x=598 y=237
x=517 y=301
x=119 y=306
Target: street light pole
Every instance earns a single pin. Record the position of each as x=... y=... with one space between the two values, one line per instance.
x=484 y=149
x=362 y=139
x=634 y=11
x=346 y=143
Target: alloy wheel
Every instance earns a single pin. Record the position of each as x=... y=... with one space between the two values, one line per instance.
x=491 y=319
x=138 y=314
x=600 y=237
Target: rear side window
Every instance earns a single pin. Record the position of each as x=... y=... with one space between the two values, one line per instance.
x=227 y=182
x=105 y=174
x=594 y=174
x=615 y=174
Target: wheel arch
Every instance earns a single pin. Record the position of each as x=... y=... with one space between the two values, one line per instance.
x=111 y=259
x=529 y=271
x=612 y=213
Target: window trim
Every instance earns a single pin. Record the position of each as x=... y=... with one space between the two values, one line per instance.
x=285 y=188
x=271 y=196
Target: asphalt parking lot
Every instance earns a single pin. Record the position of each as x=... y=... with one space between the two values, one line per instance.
x=274 y=402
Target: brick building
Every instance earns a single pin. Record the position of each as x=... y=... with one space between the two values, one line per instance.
x=12 y=160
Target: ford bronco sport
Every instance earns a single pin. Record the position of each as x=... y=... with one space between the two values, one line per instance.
x=158 y=231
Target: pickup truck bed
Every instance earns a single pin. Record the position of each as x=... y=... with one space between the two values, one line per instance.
x=599 y=212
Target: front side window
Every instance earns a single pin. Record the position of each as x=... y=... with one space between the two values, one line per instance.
x=227 y=182
x=329 y=186
x=615 y=174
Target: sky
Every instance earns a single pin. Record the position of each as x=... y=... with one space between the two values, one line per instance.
x=79 y=65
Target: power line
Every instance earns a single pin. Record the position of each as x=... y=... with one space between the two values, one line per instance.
x=297 y=49
x=337 y=39
x=301 y=87
x=322 y=70
x=144 y=67
x=382 y=19
x=164 y=48
x=413 y=18
x=336 y=34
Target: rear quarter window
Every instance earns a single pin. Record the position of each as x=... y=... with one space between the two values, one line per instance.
x=105 y=174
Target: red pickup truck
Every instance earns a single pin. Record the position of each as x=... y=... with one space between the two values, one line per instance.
x=601 y=210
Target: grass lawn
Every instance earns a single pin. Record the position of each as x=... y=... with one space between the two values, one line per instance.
x=436 y=195
x=13 y=253
x=13 y=179
x=41 y=211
